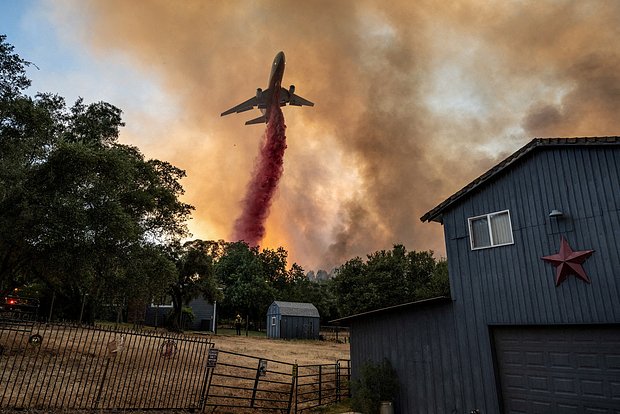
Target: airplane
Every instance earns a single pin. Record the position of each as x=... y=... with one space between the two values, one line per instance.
x=263 y=98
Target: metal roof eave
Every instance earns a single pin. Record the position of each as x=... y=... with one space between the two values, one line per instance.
x=438 y=299
x=435 y=214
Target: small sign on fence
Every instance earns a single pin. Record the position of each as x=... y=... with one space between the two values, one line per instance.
x=116 y=345
x=212 y=358
x=262 y=368
x=35 y=340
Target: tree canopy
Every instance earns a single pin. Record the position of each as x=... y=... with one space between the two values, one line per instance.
x=79 y=211
x=195 y=274
x=389 y=278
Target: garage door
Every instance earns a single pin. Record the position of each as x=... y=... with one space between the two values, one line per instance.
x=559 y=369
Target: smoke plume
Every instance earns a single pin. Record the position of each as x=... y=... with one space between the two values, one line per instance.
x=250 y=226
x=413 y=100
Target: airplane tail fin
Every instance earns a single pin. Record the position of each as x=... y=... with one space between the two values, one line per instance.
x=259 y=120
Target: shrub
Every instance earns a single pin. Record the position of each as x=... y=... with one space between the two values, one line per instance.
x=377 y=382
x=187 y=317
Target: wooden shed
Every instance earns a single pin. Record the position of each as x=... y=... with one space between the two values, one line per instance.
x=293 y=320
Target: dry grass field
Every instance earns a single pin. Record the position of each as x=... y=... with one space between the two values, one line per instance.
x=68 y=370
x=305 y=352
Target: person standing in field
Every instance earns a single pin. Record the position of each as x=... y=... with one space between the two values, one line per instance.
x=238 y=321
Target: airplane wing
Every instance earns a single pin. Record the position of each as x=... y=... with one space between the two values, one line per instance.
x=242 y=107
x=292 y=99
x=299 y=101
x=259 y=120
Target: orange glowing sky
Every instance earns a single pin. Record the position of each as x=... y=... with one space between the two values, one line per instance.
x=413 y=100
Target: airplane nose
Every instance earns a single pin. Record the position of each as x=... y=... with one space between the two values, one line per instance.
x=280 y=57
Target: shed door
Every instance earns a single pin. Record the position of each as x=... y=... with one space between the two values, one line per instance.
x=559 y=369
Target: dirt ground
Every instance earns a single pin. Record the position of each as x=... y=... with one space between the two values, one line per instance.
x=79 y=350
x=304 y=352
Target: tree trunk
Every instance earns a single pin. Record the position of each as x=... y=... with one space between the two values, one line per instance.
x=177 y=310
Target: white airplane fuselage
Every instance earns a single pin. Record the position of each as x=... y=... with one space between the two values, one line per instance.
x=275 y=82
x=264 y=99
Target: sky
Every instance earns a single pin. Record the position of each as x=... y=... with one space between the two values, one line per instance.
x=413 y=99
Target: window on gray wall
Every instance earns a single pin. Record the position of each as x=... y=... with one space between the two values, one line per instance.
x=490 y=230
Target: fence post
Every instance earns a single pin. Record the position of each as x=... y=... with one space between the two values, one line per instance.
x=259 y=369
x=293 y=389
x=205 y=389
x=212 y=356
x=320 y=384
x=337 y=381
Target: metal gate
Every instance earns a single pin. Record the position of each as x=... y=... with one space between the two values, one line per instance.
x=319 y=385
x=241 y=383
x=246 y=384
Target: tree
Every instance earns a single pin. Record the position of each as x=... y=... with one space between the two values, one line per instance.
x=388 y=278
x=80 y=212
x=195 y=275
x=253 y=279
x=244 y=274
x=299 y=288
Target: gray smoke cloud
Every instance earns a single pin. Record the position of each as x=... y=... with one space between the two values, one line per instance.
x=413 y=100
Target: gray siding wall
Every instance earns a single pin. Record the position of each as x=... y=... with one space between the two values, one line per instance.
x=420 y=344
x=511 y=284
x=299 y=327
x=203 y=314
x=273 y=331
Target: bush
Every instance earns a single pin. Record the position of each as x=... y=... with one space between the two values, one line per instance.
x=377 y=382
x=187 y=317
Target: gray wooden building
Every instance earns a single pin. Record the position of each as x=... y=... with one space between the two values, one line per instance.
x=533 y=321
x=203 y=314
x=293 y=320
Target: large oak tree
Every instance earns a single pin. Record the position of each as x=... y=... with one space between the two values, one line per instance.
x=80 y=213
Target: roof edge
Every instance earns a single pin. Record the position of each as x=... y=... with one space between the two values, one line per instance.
x=435 y=214
x=438 y=299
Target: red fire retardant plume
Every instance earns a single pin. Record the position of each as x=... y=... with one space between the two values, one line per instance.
x=250 y=226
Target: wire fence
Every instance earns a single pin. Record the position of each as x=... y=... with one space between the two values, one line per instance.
x=339 y=334
x=64 y=366
x=319 y=385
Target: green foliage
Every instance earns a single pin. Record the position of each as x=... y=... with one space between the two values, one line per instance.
x=253 y=279
x=389 y=278
x=319 y=293
x=195 y=276
x=377 y=382
x=13 y=77
x=248 y=277
x=177 y=321
x=80 y=213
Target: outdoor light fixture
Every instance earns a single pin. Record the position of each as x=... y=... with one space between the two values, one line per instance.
x=556 y=213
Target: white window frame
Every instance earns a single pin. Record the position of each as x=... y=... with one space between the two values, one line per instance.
x=488 y=217
x=273 y=321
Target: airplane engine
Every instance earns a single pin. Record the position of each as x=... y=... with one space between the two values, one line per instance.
x=291 y=90
x=259 y=93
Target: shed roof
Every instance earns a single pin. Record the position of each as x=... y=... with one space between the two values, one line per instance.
x=297 y=309
x=436 y=213
x=438 y=299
